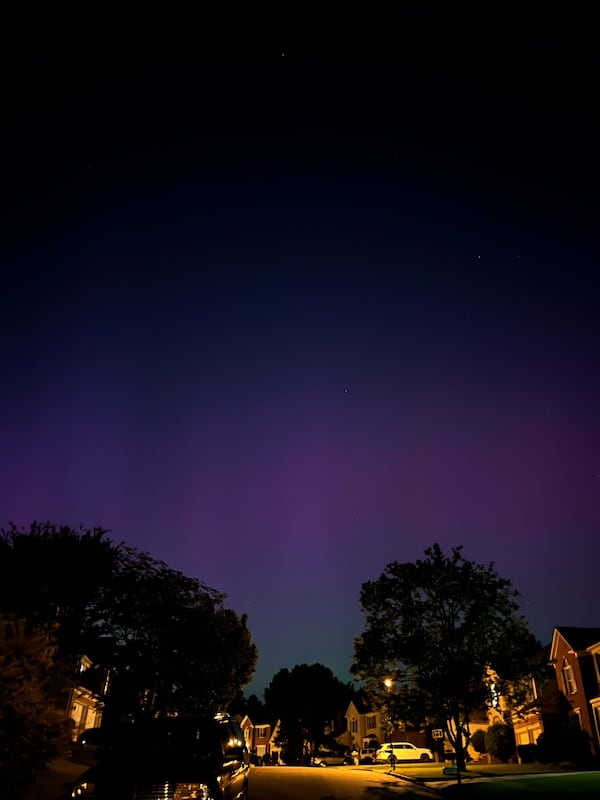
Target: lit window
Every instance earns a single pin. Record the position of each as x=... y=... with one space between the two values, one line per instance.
x=569 y=678
x=371 y=721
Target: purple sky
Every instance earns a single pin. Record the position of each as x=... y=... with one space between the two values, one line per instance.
x=295 y=331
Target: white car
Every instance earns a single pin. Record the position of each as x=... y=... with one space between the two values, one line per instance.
x=403 y=751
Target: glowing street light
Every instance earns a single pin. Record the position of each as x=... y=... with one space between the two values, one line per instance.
x=388 y=683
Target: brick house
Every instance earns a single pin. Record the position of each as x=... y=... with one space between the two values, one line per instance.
x=258 y=738
x=546 y=707
x=575 y=655
x=566 y=687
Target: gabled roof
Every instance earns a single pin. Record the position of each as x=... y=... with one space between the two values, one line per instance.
x=577 y=638
x=361 y=703
x=361 y=706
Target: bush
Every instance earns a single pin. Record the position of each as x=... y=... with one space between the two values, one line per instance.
x=500 y=741
x=564 y=744
x=478 y=742
x=527 y=753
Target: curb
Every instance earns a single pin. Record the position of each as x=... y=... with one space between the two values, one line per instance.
x=415 y=781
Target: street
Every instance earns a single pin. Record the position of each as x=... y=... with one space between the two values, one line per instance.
x=330 y=783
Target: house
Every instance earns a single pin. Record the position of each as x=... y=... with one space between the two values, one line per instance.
x=365 y=726
x=368 y=727
x=85 y=702
x=545 y=708
x=258 y=739
x=248 y=731
x=564 y=688
x=575 y=655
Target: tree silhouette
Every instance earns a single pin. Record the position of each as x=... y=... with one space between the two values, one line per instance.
x=167 y=640
x=308 y=700
x=435 y=627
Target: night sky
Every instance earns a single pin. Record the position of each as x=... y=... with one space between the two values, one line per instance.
x=280 y=317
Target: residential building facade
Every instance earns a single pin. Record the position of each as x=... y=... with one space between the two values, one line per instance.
x=259 y=740
x=85 y=703
x=365 y=727
x=575 y=655
x=565 y=689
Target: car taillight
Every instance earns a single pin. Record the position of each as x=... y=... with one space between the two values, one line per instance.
x=83 y=789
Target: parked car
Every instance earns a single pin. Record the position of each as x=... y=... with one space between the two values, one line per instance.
x=174 y=758
x=403 y=751
x=332 y=759
x=367 y=755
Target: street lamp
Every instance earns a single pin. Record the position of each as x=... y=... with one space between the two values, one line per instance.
x=388 y=683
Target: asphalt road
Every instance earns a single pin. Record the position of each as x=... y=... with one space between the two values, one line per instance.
x=329 y=783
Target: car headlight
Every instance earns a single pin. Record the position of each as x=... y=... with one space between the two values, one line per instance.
x=83 y=789
x=191 y=791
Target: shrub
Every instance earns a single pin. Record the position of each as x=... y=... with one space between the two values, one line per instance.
x=478 y=742
x=500 y=741
x=527 y=753
x=564 y=744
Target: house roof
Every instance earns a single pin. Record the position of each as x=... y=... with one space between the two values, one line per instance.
x=361 y=706
x=579 y=638
x=361 y=703
x=551 y=702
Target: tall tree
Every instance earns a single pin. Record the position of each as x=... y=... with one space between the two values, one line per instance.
x=307 y=701
x=436 y=629
x=52 y=575
x=252 y=706
x=171 y=643
x=168 y=640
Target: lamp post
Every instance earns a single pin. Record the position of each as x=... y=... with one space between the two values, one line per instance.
x=388 y=683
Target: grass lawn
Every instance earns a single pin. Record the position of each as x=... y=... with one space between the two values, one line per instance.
x=565 y=785
x=500 y=780
x=434 y=771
